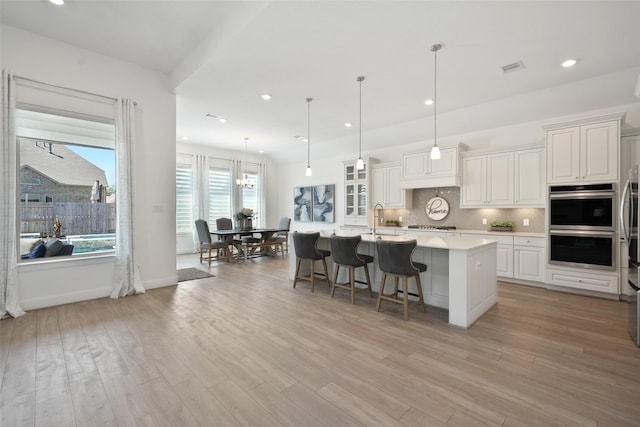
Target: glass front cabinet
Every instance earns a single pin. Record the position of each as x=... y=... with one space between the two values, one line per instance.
x=356 y=190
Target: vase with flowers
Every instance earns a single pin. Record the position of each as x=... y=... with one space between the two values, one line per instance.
x=244 y=219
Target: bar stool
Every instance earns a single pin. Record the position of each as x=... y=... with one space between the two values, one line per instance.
x=305 y=247
x=344 y=252
x=394 y=259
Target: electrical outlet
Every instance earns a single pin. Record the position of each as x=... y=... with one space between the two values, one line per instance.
x=484 y=221
x=525 y=222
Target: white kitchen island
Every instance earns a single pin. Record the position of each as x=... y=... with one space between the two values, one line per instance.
x=460 y=277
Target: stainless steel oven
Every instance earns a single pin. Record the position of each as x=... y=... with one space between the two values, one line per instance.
x=582 y=226
x=583 y=248
x=583 y=207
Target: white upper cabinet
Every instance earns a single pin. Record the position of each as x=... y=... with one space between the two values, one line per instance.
x=386 y=189
x=584 y=151
x=357 y=192
x=503 y=179
x=420 y=171
x=530 y=188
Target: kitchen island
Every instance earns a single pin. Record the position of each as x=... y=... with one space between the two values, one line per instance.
x=461 y=273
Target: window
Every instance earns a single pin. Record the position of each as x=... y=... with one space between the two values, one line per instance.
x=184 y=199
x=67 y=178
x=219 y=193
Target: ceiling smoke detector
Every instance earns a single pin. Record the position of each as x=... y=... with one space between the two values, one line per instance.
x=509 y=68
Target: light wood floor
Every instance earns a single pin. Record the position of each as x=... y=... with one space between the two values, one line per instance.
x=244 y=348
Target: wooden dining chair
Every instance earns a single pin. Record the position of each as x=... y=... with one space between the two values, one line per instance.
x=208 y=246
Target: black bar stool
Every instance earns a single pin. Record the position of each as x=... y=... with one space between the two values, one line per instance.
x=305 y=247
x=394 y=259
x=344 y=253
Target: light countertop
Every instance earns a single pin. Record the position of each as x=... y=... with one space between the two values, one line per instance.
x=461 y=230
x=432 y=242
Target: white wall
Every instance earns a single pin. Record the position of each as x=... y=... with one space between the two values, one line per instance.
x=46 y=283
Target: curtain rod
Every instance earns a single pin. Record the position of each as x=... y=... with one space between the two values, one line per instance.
x=67 y=88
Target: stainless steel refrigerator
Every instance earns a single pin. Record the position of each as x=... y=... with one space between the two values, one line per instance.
x=629 y=214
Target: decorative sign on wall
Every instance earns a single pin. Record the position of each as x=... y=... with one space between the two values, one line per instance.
x=437 y=208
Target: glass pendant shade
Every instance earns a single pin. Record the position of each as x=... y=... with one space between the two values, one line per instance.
x=435 y=152
x=360 y=164
x=308 y=172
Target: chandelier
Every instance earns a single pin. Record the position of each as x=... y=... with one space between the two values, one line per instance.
x=245 y=182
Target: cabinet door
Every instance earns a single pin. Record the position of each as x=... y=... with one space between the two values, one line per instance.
x=397 y=195
x=529 y=263
x=350 y=197
x=378 y=190
x=500 y=179
x=529 y=178
x=473 y=181
x=504 y=260
x=415 y=165
x=563 y=155
x=599 y=152
x=447 y=164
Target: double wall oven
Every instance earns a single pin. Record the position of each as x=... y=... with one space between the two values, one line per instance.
x=582 y=226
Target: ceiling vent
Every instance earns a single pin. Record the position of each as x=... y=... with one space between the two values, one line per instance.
x=509 y=68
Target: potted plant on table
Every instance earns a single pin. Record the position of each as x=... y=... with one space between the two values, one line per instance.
x=502 y=225
x=244 y=219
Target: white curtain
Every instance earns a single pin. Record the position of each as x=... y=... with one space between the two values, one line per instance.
x=236 y=191
x=127 y=277
x=200 y=208
x=262 y=194
x=9 y=289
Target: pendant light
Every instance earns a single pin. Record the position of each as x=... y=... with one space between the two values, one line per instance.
x=435 y=150
x=308 y=172
x=360 y=162
x=245 y=182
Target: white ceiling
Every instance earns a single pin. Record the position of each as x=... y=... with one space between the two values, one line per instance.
x=221 y=55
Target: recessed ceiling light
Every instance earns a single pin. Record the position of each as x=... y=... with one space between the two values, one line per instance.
x=57 y=2
x=265 y=96
x=428 y=102
x=261 y=151
x=305 y=139
x=569 y=63
x=348 y=124
x=222 y=120
x=185 y=138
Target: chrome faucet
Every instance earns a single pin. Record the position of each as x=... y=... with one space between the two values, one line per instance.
x=376 y=217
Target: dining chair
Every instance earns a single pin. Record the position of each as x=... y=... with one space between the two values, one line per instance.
x=281 y=238
x=206 y=245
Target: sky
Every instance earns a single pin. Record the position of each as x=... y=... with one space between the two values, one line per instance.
x=103 y=158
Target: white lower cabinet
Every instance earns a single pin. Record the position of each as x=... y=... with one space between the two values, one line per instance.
x=528 y=258
x=504 y=260
x=583 y=279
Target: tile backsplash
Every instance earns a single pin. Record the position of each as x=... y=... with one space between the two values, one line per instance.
x=465 y=218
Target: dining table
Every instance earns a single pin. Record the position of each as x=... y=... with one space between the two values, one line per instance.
x=264 y=248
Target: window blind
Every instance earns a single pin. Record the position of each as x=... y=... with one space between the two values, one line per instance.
x=184 y=199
